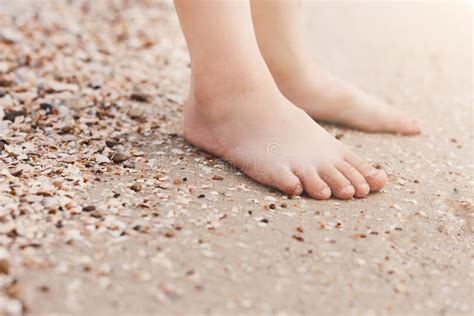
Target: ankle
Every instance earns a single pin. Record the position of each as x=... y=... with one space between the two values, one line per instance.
x=209 y=89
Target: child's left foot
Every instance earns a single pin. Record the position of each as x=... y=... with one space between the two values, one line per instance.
x=327 y=98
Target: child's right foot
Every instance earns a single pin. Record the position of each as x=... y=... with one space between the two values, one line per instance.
x=274 y=142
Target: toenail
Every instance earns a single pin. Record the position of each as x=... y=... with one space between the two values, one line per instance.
x=364 y=187
x=325 y=192
x=348 y=189
x=298 y=189
x=372 y=173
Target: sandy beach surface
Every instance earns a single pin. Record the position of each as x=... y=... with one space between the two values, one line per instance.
x=106 y=210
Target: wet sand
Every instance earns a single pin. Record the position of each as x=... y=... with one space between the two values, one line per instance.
x=147 y=224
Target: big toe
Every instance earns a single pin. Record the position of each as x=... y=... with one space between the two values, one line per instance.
x=402 y=124
x=412 y=127
x=279 y=177
x=358 y=181
x=406 y=126
x=376 y=178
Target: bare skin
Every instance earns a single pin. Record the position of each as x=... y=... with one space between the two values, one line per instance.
x=279 y=30
x=236 y=111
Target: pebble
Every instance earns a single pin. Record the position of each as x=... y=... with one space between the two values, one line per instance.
x=12 y=115
x=119 y=157
x=137 y=187
x=112 y=143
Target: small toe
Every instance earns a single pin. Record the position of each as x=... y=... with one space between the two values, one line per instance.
x=340 y=186
x=358 y=181
x=280 y=178
x=314 y=185
x=376 y=178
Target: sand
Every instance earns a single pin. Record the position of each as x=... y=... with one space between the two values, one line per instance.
x=167 y=229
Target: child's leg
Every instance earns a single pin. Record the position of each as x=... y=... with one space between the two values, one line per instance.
x=279 y=29
x=235 y=111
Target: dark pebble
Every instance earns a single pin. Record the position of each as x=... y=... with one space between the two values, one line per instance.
x=2 y=144
x=68 y=129
x=89 y=208
x=139 y=97
x=95 y=86
x=129 y=165
x=111 y=143
x=298 y=238
x=47 y=107
x=136 y=187
x=12 y=115
x=119 y=157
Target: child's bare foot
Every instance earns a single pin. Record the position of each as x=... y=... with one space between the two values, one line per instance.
x=280 y=34
x=327 y=98
x=274 y=142
x=235 y=111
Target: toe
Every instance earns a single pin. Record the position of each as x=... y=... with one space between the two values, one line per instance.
x=355 y=177
x=340 y=186
x=279 y=177
x=287 y=182
x=402 y=125
x=376 y=178
x=314 y=185
x=411 y=127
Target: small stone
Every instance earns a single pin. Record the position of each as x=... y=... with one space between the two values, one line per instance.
x=88 y=208
x=136 y=112
x=2 y=144
x=46 y=107
x=111 y=143
x=4 y=266
x=68 y=129
x=169 y=234
x=119 y=157
x=298 y=238
x=218 y=178
x=139 y=97
x=12 y=115
x=137 y=187
x=359 y=236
